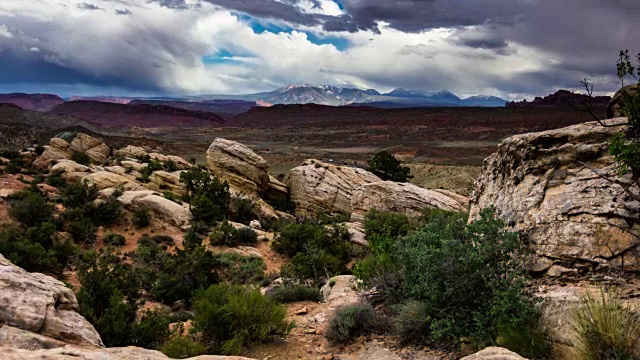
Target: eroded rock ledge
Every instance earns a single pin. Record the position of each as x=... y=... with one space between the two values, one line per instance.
x=551 y=186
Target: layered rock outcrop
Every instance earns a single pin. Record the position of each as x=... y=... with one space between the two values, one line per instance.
x=40 y=311
x=404 y=198
x=319 y=186
x=553 y=186
x=174 y=213
x=245 y=170
x=59 y=149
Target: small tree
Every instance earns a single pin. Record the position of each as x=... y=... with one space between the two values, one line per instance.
x=387 y=167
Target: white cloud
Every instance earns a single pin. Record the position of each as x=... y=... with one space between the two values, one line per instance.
x=4 y=32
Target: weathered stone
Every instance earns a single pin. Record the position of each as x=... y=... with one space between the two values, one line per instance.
x=255 y=224
x=40 y=304
x=176 y=214
x=616 y=106
x=21 y=339
x=318 y=186
x=356 y=233
x=494 y=353
x=86 y=353
x=277 y=190
x=245 y=170
x=56 y=150
x=106 y=179
x=404 y=198
x=97 y=151
x=131 y=151
x=133 y=165
x=69 y=166
x=551 y=185
x=340 y=290
x=163 y=180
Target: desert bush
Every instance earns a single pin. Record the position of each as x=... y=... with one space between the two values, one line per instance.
x=30 y=208
x=349 y=322
x=412 y=322
x=147 y=171
x=171 y=196
x=56 y=180
x=113 y=239
x=182 y=347
x=141 y=218
x=208 y=197
x=225 y=234
x=106 y=212
x=605 y=329
x=79 y=194
x=81 y=158
x=243 y=210
x=152 y=330
x=170 y=166
x=382 y=229
x=317 y=252
x=387 y=167
x=238 y=269
x=82 y=229
x=287 y=293
x=39 y=150
x=162 y=239
x=231 y=316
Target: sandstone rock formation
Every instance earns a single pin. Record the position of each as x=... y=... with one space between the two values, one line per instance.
x=404 y=198
x=176 y=214
x=106 y=179
x=318 y=186
x=245 y=170
x=82 y=353
x=616 y=106
x=494 y=353
x=41 y=305
x=551 y=186
x=60 y=148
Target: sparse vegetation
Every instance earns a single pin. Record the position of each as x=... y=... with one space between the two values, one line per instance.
x=349 y=322
x=81 y=158
x=387 y=167
x=231 y=316
x=208 y=197
x=605 y=329
x=287 y=293
x=141 y=218
x=243 y=209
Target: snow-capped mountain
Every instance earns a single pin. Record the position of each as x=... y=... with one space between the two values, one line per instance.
x=340 y=96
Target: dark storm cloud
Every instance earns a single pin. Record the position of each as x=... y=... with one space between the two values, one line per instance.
x=123 y=12
x=87 y=6
x=172 y=4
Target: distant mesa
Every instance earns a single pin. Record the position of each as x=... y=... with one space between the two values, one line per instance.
x=563 y=98
x=107 y=99
x=35 y=102
x=137 y=115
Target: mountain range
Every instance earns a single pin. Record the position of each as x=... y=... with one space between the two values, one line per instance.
x=340 y=96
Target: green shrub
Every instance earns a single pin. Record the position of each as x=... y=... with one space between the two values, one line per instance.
x=162 y=239
x=238 y=269
x=170 y=166
x=79 y=195
x=30 y=208
x=349 y=322
x=292 y=293
x=605 y=328
x=82 y=230
x=317 y=252
x=114 y=239
x=56 y=180
x=182 y=347
x=171 y=196
x=231 y=316
x=245 y=236
x=106 y=212
x=387 y=167
x=242 y=210
x=412 y=322
x=151 y=331
x=529 y=339
x=226 y=235
x=141 y=218
x=81 y=158
x=148 y=170
x=382 y=229
x=208 y=197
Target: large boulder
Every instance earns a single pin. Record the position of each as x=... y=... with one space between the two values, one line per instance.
x=404 y=198
x=494 y=353
x=245 y=170
x=616 y=106
x=554 y=187
x=97 y=151
x=56 y=150
x=163 y=180
x=41 y=305
x=84 y=353
x=106 y=179
x=318 y=186
x=176 y=214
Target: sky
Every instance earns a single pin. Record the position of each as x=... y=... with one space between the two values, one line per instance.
x=509 y=48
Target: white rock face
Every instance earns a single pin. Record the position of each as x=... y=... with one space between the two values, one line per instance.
x=318 y=186
x=542 y=184
x=97 y=151
x=106 y=179
x=82 y=353
x=494 y=353
x=404 y=198
x=175 y=213
x=245 y=170
x=40 y=304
